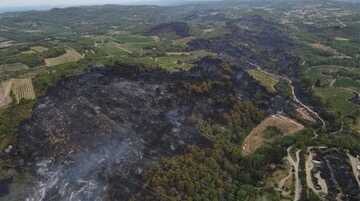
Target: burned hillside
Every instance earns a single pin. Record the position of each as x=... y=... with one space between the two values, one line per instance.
x=250 y=42
x=123 y=119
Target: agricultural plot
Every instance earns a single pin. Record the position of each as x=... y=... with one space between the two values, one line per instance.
x=71 y=55
x=5 y=89
x=119 y=45
x=12 y=67
x=180 y=60
x=23 y=89
x=20 y=88
x=113 y=49
x=5 y=44
x=131 y=38
x=259 y=135
x=335 y=86
x=324 y=48
x=39 y=49
x=336 y=99
x=264 y=79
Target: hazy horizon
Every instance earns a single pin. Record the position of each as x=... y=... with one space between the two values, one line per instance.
x=34 y=3
x=23 y=5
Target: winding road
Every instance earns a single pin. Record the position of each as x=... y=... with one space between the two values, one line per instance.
x=294 y=96
x=295 y=163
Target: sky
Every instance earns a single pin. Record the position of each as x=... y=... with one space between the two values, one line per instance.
x=34 y=3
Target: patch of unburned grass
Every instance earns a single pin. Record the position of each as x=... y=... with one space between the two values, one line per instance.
x=39 y=49
x=336 y=99
x=347 y=83
x=264 y=79
x=13 y=67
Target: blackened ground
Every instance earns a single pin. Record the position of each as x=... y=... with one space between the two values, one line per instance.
x=181 y=29
x=254 y=41
x=336 y=170
x=120 y=120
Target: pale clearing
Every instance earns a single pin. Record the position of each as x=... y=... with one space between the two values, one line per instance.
x=255 y=139
x=23 y=89
x=305 y=115
x=71 y=55
x=325 y=48
x=39 y=49
x=5 y=89
x=13 y=67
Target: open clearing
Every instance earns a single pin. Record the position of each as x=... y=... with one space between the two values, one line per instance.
x=264 y=79
x=324 y=48
x=305 y=115
x=337 y=87
x=71 y=55
x=337 y=99
x=256 y=138
x=12 y=67
x=282 y=180
x=39 y=49
x=341 y=39
x=5 y=89
x=23 y=89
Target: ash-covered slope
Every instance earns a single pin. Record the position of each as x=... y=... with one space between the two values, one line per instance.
x=121 y=120
x=251 y=41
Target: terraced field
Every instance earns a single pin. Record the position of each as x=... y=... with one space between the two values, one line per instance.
x=20 y=88
x=5 y=89
x=23 y=89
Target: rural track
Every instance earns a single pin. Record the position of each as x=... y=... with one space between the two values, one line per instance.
x=354 y=162
x=309 y=165
x=294 y=96
x=295 y=163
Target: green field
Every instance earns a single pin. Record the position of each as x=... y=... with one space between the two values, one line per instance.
x=264 y=79
x=336 y=99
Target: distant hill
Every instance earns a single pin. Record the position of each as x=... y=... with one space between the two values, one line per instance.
x=23 y=8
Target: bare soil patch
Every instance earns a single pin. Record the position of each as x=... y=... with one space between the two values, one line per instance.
x=256 y=138
x=71 y=55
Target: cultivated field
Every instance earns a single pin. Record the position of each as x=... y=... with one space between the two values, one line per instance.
x=71 y=55
x=13 y=67
x=20 y=88
x=324 y=48
x=23 y=89
x=39 y=49
x=257 y=136
x=5 y=89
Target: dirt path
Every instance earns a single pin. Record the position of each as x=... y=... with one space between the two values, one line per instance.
x=332 y=82
x=341 y=23
x=295 y=163
x=309 y=165
x=355 y=163
x=295 y=98
x=282 y=183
